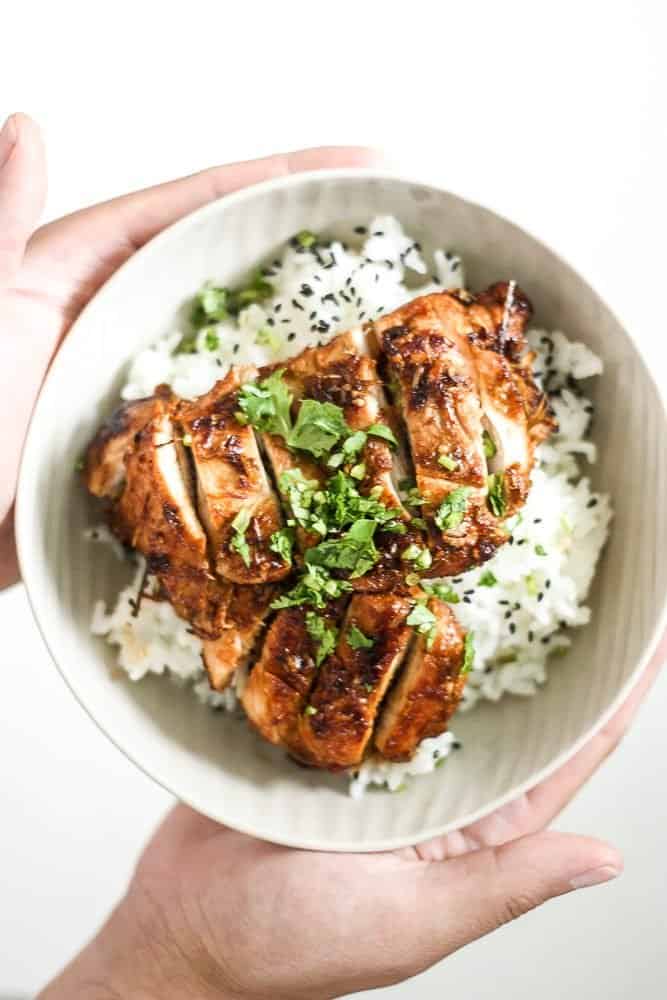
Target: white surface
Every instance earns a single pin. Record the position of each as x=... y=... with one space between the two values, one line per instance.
x=555 y=118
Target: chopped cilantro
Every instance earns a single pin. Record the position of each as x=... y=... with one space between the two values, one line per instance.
x=358 y=640
x=413 y=498
x=354 y=443
x=318 y=428
x=266 y=337
x=211 y=340
x=282 y=543
x=256 y=291
x=452 y=510
x=487 y=579
x=496 y=498
x=305 y=238
x=323 y=635
x=540 y=550
x=447 y=462
x=424 y=622
x=441 y=590
x=468 y=653
x=240 y=525
x=310 y=710
x=489 y=445
x=299 y=493
x=412 y=579
x=532 y=586
x=354 y=552
x=358 y=471
x=209 y=306
x=267 y=405
x=421 y=557
x=315 y=587
x=187 y=440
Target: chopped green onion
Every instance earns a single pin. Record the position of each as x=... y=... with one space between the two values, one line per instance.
x=240 y=525
x=358 y=640
x=468 y=653
x=487 y=579
x=540 y=550
x=306 y=239
x=452 y=510
x=496 y=496
x=447 y=462
x=489 y=445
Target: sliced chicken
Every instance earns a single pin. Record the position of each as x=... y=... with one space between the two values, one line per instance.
x=231 y=480
x=246 y=615
x=337 y=725
x=277 y=689
x=429 y=361
x=104 y=468
x=155 y=513
x=428 y=690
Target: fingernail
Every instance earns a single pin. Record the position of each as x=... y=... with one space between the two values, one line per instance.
x=7 y=140
x=596 y=876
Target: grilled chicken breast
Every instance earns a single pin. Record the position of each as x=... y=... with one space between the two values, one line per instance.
x=428 y=691
x=191 y=486
x=155 y=514
x=338 y=723
x=231 y=479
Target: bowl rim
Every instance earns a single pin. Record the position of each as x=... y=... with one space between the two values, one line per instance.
x=26 y=500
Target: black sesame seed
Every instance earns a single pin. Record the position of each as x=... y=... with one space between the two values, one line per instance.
x=323 y=326
x=499 y=602
x=562 y=624
x=335 y=319
x=313 y=314
x=278 y=306
x=547 y=584
x=378 y=233
x=286 y=320
x=361 y=230
x=455 y=265
x=270 y=321
x=377 y=277
x=545 y=639
x=362 y=314
x=512 y=628
x=448 y=255
x=537 y=520
x=531 y=635
x=306 y=290
x=517 y=606
x=511 y=540
x=348 y=280
x=345 y=297
x=235 y=348
x=540 y=596
x=291 y=336
x=456 y=745
x=522 y=541
x=471 y=591
x=276 y=263
x=508 y=614
x=389 y=263
x=466 y=600
x=297 y=304
x=593 y=502
x=457 y=579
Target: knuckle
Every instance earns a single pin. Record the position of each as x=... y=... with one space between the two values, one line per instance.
x=517 y=905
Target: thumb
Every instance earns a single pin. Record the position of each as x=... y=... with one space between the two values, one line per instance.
x=478 y=892
x=22 y=190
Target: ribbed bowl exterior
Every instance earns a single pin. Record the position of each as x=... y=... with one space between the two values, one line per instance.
x=213 y=761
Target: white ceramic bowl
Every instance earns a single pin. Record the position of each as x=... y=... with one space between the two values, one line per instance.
x=214 y=762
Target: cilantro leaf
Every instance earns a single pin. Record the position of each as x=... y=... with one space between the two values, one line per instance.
x=540 y=550
x=267 y=406
x=323 y=635
x=421 y=557
x=384 y=432
x=209 y=306
x=266 y=337
x=211 y=340
x=496 y=497
x=257 y=290
x=452 y=510
x=354 y=443
x=487 y=579
x=354 y=552
x=299 y=493
x=238 y=543
x=357 y=639
x=468 y=653
x=305 y=238
x=318 y=428
x=424 y=622
x=282 y=543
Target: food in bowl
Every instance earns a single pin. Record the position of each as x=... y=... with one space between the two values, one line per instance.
x=328 y=477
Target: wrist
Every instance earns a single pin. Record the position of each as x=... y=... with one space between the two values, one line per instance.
x=127 y=960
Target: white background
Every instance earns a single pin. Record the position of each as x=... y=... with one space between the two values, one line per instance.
x=553 y=114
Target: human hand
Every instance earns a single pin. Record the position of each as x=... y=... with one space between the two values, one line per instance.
x=48 y=276
x=213 y=913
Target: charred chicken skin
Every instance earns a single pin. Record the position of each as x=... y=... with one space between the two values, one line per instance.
x=290 y=514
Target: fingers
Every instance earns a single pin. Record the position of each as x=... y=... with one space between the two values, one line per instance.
x=22 y=191
x=133 y=219
x=463 y=899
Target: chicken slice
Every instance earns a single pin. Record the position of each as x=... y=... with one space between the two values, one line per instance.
x=428 y=360
x=277 y=689
x=155 y=514
x=104 y=467
x=428 y=691
x=231 y=479
x=337 y=725
x=246 y=615
x=515 y=411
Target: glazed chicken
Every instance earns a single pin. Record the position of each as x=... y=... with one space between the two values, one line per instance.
x=270 y=513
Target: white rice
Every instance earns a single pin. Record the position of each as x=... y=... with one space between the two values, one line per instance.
x=543 y=577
